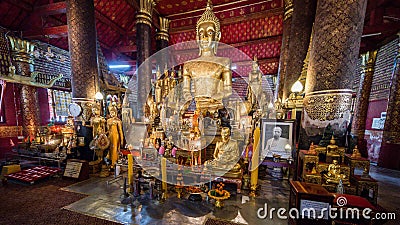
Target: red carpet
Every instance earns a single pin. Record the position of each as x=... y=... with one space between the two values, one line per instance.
x=41 y=203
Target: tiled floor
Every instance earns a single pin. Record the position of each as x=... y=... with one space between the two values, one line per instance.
x=104 y=201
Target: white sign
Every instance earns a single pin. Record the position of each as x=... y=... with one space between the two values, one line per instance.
x=313 y=209
x=73 y=169
x=378 y=123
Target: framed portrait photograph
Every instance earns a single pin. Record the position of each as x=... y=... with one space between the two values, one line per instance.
x=277 y=138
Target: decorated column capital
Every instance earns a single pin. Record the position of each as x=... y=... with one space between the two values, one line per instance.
x=362 y=100
x=145 y=12
x=163 y=34
x=288 y=9
x=21 y=50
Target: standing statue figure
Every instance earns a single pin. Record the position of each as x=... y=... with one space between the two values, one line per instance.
x=159 y=87
x=210 y=75
x=97 y=122
x=254 y=89
x=255 y=94
x=115 y=134
x=126 y=112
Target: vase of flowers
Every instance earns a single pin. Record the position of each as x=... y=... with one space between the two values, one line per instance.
x=219 y=194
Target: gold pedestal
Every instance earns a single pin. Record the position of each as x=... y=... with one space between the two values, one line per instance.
x=253 y=191
x=219 y=200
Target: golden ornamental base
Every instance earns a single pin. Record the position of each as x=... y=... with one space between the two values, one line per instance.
x=253 y=191
x=219 y=201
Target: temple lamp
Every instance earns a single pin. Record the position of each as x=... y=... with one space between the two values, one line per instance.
x=297 y=88
x=99 y=98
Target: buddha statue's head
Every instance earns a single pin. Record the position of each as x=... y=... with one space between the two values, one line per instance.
x=208 y=31
x=255 y=64
x=225 y=134
x=332 y=141
x=113 y=111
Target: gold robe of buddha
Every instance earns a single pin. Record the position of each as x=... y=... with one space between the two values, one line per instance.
x=211 y=75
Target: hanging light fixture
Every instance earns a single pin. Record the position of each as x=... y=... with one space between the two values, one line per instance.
x=297 y=87
x=99 y=96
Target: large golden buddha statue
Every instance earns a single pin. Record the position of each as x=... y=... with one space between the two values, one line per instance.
x=211 y=75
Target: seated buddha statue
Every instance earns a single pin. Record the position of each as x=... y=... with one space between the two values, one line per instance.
x=226 y=155
x=332 y=150
x=208 y=77
x=334 y=174
x=356 y=153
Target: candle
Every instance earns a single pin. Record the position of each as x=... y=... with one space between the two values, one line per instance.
x=130 y=171
x=255 y=159
x=161 y=150
x=164 y=173
x=174 y=149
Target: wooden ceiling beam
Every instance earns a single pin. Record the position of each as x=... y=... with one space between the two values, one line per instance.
x=52 y=32
x=134 y=4
x=129 y=48
x=381 y=28
x=51 y=9
x=110 y=23
x=21 y=4
x=128 y=62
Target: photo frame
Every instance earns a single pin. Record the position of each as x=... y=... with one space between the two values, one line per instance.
x=271 y=146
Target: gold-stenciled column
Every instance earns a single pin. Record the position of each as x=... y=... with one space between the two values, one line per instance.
x=22 y=61
x=83 y=49
x=362 y=101
x=390 y=149
x=284 y=57
x=162 y=39
x=143 y=43
x=333 y=61
x=300 y=33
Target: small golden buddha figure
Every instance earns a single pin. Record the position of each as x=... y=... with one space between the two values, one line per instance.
x=195 y=123
x=151 y=110
x=169 y=144
x=126 y=112
x=312 y=151
x=167 y=80
x=356 y=153
x=332 y=149
x=210 y=75
x=159 y=88
x=226 y=153
x=97 y=122
x=334 y=174
x=69 y=135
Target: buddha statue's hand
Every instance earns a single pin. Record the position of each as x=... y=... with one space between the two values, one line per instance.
x=187 y=96
x=217 y=96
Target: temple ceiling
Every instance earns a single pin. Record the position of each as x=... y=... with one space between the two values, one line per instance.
x=253 y=26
